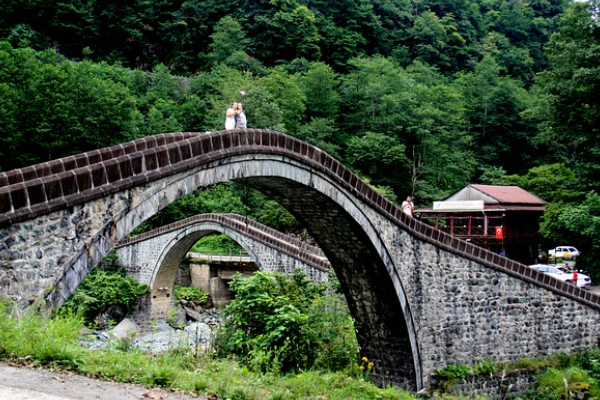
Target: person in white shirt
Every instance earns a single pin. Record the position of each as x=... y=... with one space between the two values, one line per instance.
x=408 y=207
x=230 y=117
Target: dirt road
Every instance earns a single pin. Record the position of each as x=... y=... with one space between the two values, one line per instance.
x=19 y=383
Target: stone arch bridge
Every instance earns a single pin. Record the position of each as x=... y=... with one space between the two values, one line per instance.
x=421 y=299
x=154 y=257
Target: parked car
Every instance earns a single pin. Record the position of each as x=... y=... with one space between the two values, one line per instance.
x=563 y=252
x=563 y=274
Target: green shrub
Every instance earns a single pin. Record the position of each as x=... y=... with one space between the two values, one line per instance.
x=590 y=361
x=280 y=323
x=56 y=342
x=101 y=290
x=557 y=384
x=485 y=367
x=452 y=373
x=191 y=294
x=534 y=364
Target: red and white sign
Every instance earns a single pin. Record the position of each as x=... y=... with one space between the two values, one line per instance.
x=499 y=232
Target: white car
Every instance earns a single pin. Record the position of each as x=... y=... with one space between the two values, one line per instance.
x=563 y=274
x=563 y=252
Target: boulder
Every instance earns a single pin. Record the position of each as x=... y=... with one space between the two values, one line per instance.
x=126 y=328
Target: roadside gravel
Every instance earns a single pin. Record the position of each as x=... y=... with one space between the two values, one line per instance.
x=23 y=383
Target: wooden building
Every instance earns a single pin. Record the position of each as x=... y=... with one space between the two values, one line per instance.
x=503 y=219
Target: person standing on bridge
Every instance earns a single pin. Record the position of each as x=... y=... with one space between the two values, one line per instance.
x=230 y=116
x=240 y=117
x=408 y=207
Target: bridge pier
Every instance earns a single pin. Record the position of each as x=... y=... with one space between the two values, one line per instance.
x=219 y=292
x=200 y=276
x=214 y=278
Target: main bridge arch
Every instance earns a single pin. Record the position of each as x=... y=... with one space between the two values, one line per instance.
x=421 y=298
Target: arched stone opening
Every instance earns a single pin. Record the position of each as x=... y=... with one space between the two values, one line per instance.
x=160 y=300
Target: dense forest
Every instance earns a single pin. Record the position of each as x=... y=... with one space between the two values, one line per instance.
x=418 y=97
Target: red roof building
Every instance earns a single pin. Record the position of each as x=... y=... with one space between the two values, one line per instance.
x=504 y=219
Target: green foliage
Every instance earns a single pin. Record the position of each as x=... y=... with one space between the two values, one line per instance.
x=55 y=342
x=493 y=104
x=377 y=155
x=387 y=192
x=589 y=361
x=275 y=216
x=190 y=294
x=453 y=372
x=232 y=197
x=288 y=95
x=378 y=96
x=321 y=132
x=280 y=324
x=491 y=175
x=569 y=108
x=556 y=384
x=262 y=110
x=554 y=183
x=184 y=34
x=580 y=224
x=101 y=290
x=228 y=40
x=445 y=92
x=222 y=198
x=218 y=244
x=319 y=83
x=299 y=31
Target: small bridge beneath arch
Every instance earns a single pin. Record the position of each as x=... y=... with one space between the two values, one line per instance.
x=421 y=298
x=154 y=257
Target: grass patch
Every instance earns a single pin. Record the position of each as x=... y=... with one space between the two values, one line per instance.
x=46 y=341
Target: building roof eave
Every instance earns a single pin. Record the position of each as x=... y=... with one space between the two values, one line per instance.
x=430 y=210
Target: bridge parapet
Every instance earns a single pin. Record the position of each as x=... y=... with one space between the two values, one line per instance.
x=89 y=158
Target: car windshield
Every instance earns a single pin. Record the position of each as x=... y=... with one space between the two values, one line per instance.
x=557 y=270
